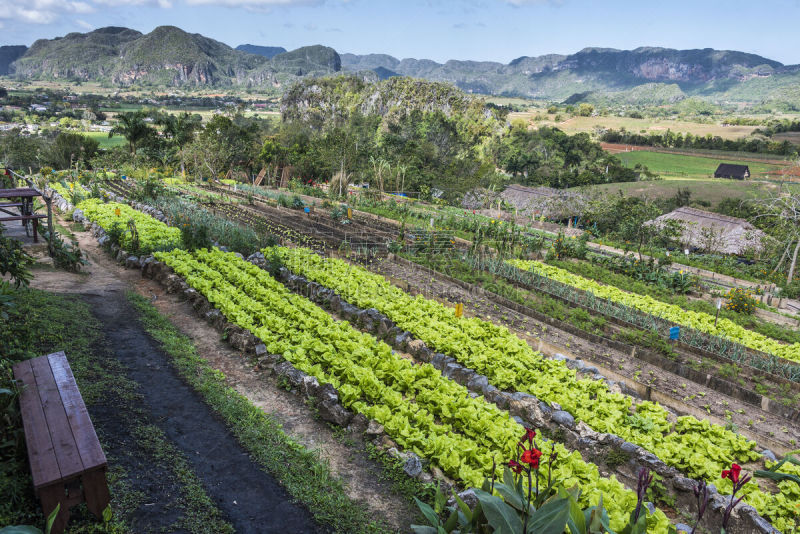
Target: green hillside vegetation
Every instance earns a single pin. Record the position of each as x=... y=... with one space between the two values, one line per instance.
x=78 y=56
x=167 y=56
x=648 y=94
x=317 y=60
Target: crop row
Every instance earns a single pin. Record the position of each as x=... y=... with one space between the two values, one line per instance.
x=696 y=447
x=420 y=409
x=152 y=234
x=700 y=321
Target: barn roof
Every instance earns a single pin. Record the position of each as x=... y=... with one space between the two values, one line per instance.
x=730 y=169
x=714 y=232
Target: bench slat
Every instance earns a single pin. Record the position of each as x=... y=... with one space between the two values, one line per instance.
x=82 y=429
x=69 y=460
x=44 y=466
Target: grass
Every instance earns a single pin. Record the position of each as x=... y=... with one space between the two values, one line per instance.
x=682 y=166
x=712 y=190
x=105 y=142
x=43 y=323
x=305 y=476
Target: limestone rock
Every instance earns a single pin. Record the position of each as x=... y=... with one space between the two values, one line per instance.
x=564 y=418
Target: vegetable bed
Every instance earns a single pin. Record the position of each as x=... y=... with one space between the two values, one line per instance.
x=419 y=409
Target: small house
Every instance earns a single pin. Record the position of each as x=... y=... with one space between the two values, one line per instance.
x=736 y=172
x=714 y=232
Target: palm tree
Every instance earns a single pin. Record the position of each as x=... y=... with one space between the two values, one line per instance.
x=131 y=126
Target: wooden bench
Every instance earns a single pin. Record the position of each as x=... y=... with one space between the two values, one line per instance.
x=35 y=218
x=67 y=463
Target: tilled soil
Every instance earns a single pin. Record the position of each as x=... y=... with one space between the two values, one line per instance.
x=237 y=485
x=676 y=392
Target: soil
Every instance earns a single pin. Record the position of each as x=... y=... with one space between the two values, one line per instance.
x=673 y=391
x=250 y=498
x=678 y=393
x=238 y=486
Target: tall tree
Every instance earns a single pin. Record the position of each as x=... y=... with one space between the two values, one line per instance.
x=783 y=212
x=133 y=127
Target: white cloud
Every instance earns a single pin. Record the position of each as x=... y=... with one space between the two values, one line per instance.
x=519 y=3
x=83 y=24
x=256 y=3
x=49 y=11
x=40 y=11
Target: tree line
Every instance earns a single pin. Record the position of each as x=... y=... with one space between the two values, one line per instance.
x=670 y=139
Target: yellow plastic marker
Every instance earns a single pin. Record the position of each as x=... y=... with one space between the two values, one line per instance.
x=459 y=309
x=117 y=212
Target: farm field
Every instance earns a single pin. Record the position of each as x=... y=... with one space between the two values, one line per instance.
x=714 y=190
x=579 y=124
x=422 y=407
x=104 y=140
x=685 y=166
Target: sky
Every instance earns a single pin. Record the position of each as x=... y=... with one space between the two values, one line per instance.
x=484 y=30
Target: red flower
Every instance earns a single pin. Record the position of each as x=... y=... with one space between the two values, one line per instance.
x=515 y=466
x=529 y=435
x=732 y=473
x=531 y=457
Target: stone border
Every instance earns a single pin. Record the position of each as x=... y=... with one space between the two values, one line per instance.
x=704 y=379
x=525 y=408
x=528 y=410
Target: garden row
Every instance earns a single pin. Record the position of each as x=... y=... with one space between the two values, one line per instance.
x=696 y=320
x=420 y=409
x=695 y=447
x=463 y=468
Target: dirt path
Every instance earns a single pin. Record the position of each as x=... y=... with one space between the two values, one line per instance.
x=103 y=284
x=238 y=486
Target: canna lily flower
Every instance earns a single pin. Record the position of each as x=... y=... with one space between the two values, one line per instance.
x=529 y=434
x=531 y=457
x=732 y=473
x=515 y=466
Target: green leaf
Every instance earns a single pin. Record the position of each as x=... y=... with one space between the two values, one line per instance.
x=424 y=529
x=463 y=507
x=20 y=529
x=502 y=518
x=52 y=518
x=440 y=500
x=428 y=512
x=551 y=517
x=576 y=521
x=511 y=497
x=452 y=522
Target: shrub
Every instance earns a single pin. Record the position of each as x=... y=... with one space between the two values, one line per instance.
x=741 y=301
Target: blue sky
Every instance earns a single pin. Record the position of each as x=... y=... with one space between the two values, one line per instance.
x=494 y=30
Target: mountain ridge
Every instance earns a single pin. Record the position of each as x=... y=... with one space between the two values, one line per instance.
x=171 y=56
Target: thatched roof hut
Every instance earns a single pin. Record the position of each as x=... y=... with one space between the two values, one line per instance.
x=713 y=232
x=552 y=203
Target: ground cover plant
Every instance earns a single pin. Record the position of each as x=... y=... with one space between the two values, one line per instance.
x=698 y=448
x=443 y=424
x=696 y=320
x=145 y=235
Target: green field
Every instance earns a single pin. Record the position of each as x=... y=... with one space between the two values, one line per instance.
x=697 y=167
x=713 y=190
x=103 y=139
